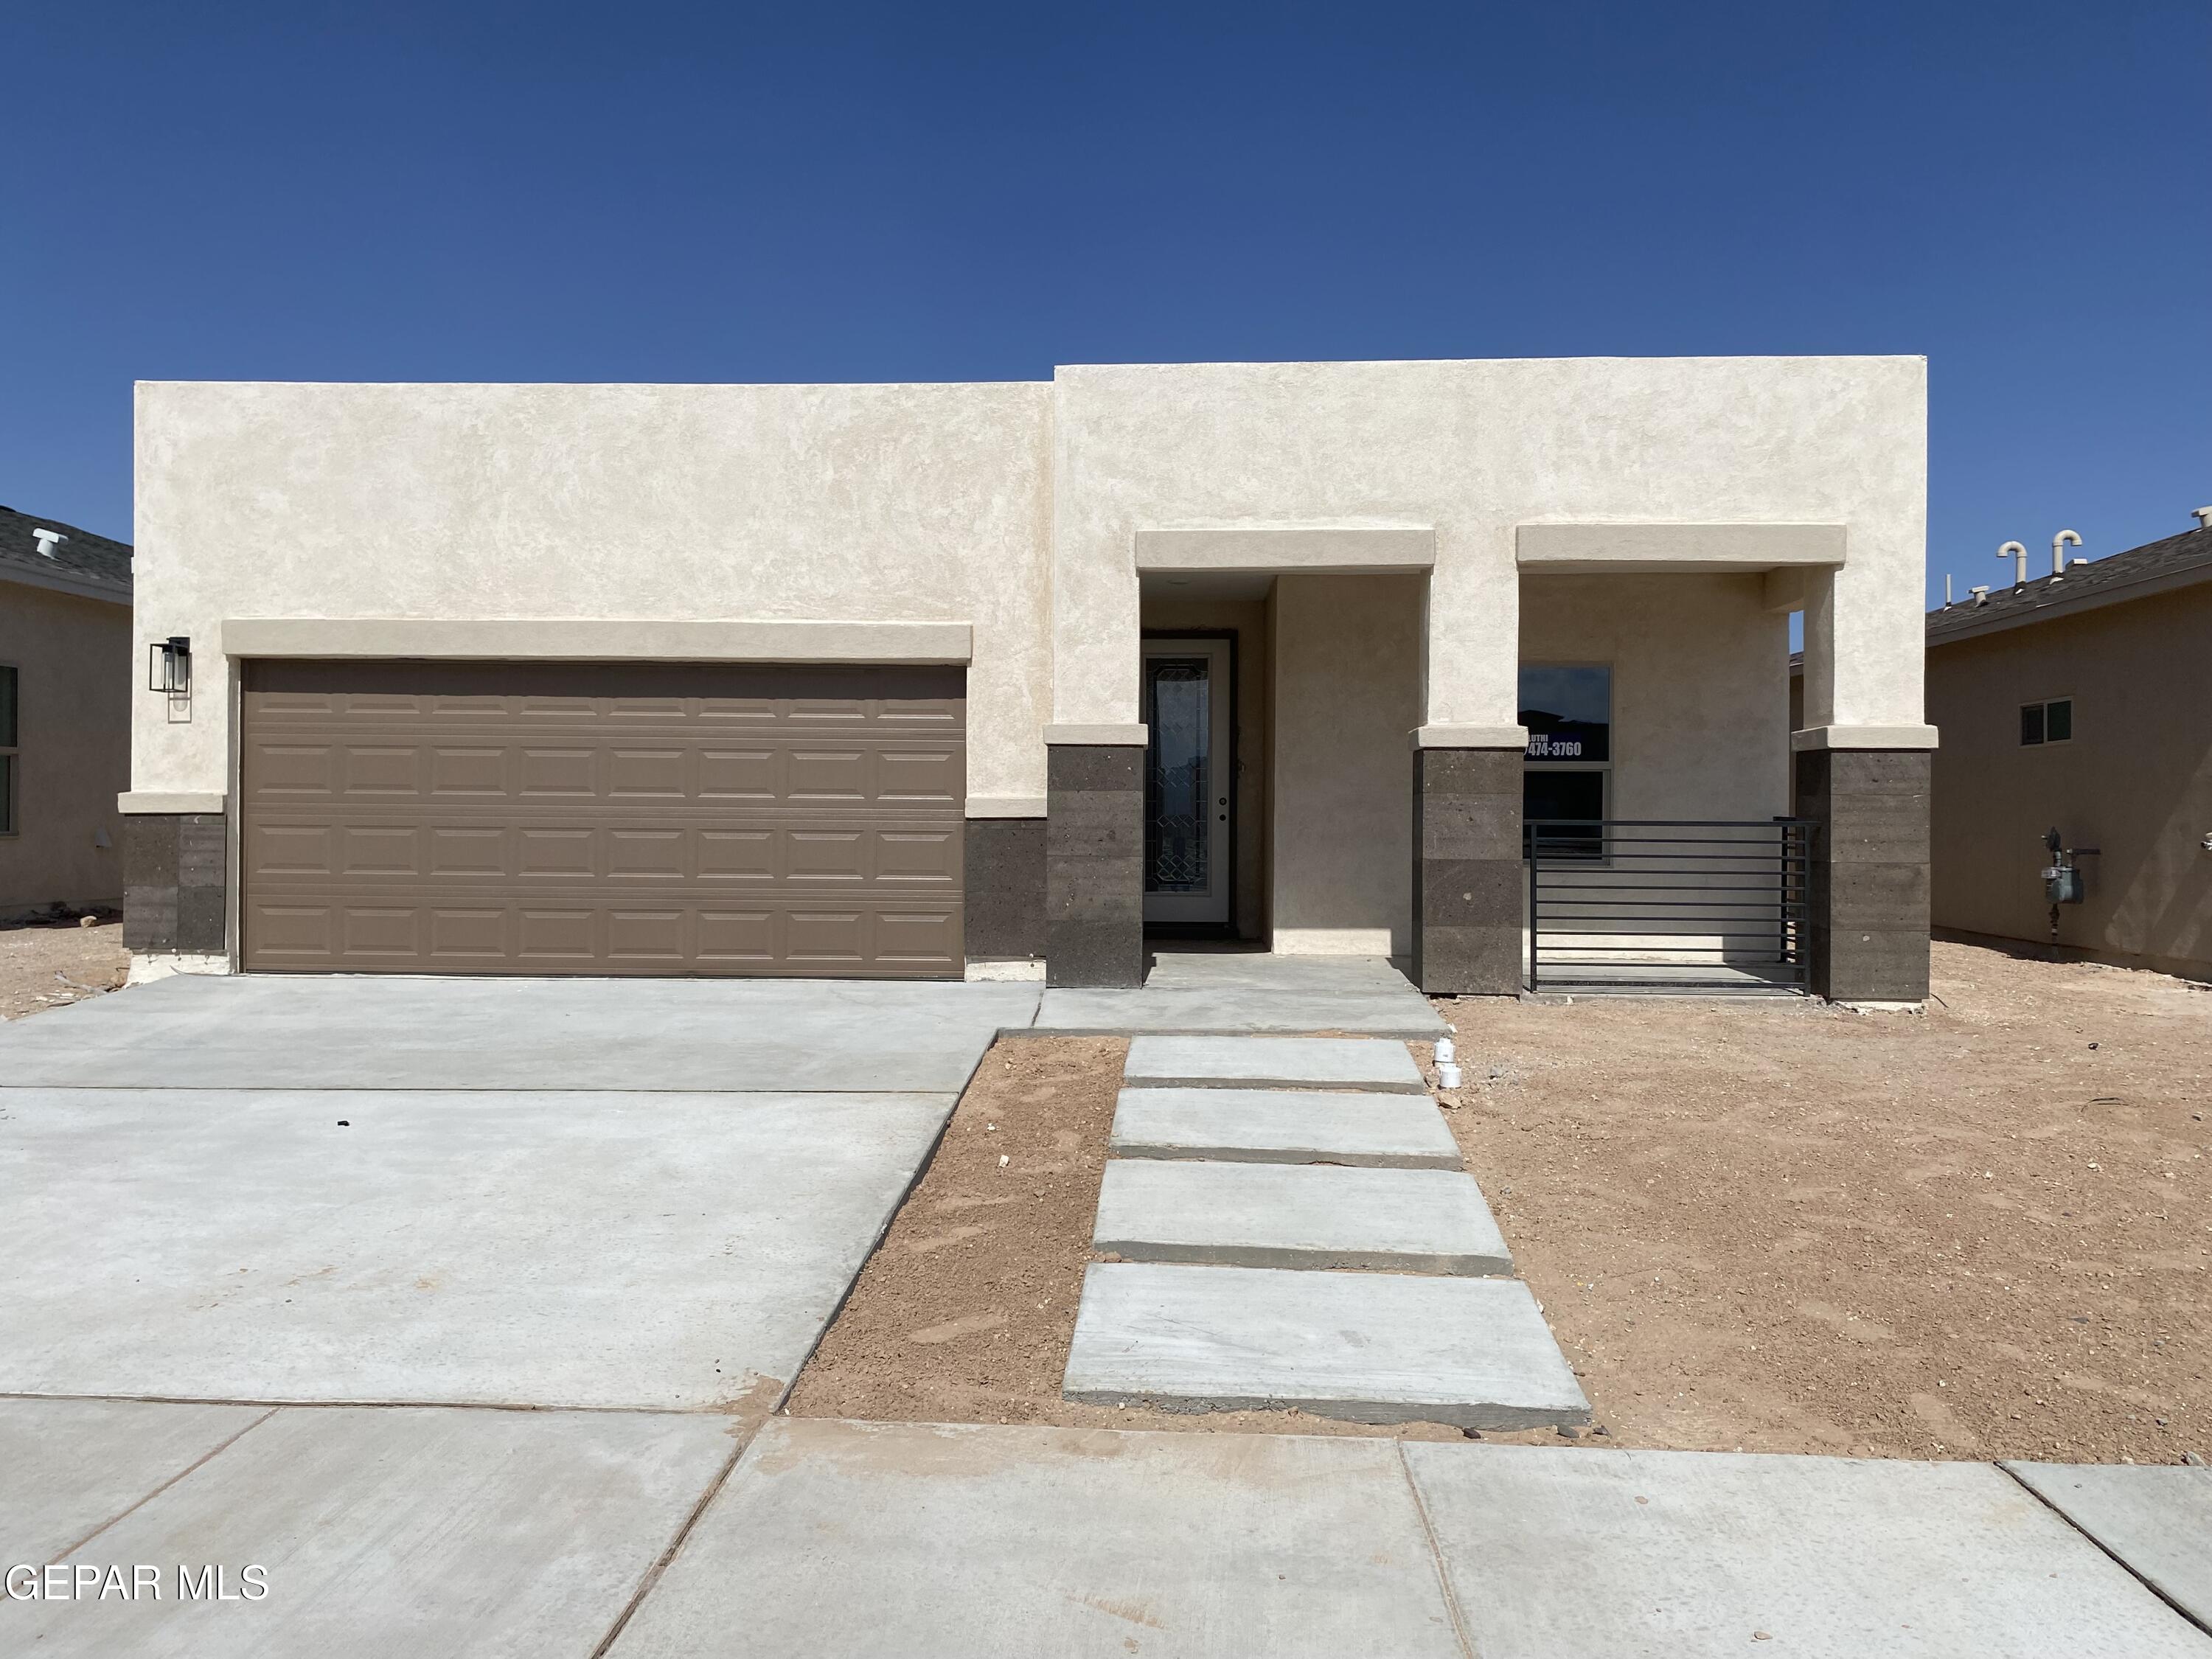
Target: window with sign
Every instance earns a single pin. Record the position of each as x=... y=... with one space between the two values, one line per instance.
x=1566 y=783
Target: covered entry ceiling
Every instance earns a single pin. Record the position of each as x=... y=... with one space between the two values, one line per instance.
x=563 y=817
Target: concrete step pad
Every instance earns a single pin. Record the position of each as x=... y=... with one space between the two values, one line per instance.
x=1270 y=1062
x=1283 y=1126
x=1297 y=1215
x=1367 y=1347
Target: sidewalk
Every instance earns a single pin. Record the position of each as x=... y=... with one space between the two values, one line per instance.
x=434 y=1532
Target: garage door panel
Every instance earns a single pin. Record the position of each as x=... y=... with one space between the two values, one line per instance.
x=294 y=933
x=813 y=774
x=918 y=937
x=547 y=936
x=290 y=849
x=379 y=850
x=463 y=852
x=827 y=855
x=478 y=772
x=647 y=773
x=742 y=776
x=381 y=769
x=570 y=773
x=379 y=932
x=737 y=938
x=528 y=817
x=648 y=936
x=739 y=856
x=917 y=857
x=915 y=777
x=298 y=770
x=475 y=937
x=541 y=851
x=646 y=854
x=825 y=938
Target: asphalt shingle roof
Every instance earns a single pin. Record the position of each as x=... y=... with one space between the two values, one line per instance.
x=93 y=561
x=2178 y=559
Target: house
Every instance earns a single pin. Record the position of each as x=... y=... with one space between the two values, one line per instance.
x=922 y=679
x=64 y=716
x=2077 y=701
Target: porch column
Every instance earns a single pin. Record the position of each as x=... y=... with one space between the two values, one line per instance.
x=1467 y=873
x=1869 y=887
x=1862 y=764
x=1094 y=855
x=1467 y=757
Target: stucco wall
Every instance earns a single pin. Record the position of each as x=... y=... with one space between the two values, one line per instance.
x=73 y=663
x=1246 y=620
x=2135 y=781
x=1700 y=686
x=1474 y=449
x=842 y=504
x=1347 y=698
x=1011 y=507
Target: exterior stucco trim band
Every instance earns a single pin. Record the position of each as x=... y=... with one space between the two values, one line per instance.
x=1006 y=806
x=1746 y=548
x=1301 y=548
x=1097 y=737
x=60 y=581
x=1864 y=737
x=1471 y=736
x=599 y=638
x=147 y=802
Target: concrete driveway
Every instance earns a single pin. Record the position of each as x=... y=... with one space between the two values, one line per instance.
x=545 y=1193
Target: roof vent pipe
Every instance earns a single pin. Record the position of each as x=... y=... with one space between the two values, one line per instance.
x=2058 y=553
x=1981 y=595
x=47 y=540
x=1946 y=590
x=2203 y=515
x=2017 y=552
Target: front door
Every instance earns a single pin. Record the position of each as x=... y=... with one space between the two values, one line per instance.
x=1188 y=782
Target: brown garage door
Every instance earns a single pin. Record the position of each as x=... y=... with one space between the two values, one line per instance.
x=602 y=818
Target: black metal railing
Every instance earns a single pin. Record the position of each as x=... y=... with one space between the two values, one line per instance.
x=1711 y=906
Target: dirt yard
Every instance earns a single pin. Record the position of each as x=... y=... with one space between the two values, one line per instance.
x=1983 y=1231
x=46 y=965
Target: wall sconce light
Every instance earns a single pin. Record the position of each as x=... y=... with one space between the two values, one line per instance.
x=169 y=665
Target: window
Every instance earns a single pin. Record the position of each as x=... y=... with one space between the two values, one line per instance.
x=8 y=751
x=2046 y=722
x=1565 y=782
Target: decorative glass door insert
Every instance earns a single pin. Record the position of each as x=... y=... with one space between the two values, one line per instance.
x=1188 y=780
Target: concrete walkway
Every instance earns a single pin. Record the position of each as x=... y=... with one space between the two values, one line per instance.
x=1232 y=993
x=1277 y=1278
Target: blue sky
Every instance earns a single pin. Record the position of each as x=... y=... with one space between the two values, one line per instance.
x=2022 y=193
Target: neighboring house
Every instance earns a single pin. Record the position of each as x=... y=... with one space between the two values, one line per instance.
x=2083 y=703
x=902 y=679
x=64 y=715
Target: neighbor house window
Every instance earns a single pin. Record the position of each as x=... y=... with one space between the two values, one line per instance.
x=2046 y=722
x=8 y=751
x=1567 y=779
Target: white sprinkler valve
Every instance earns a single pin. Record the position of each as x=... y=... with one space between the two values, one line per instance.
x=1447 y=1064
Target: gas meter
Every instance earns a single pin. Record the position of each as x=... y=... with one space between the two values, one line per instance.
x=2062 y=877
